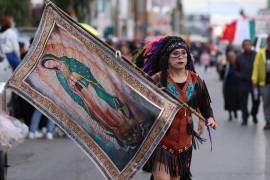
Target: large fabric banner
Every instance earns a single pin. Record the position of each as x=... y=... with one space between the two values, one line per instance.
x=114 y=113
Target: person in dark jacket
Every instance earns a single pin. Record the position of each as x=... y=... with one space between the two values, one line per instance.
x=244 y=63
x=230 y=86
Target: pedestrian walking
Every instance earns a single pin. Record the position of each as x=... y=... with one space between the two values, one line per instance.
x=261 y=79
x=8 y=41
x=231 y=93
x=169 y=61
x=205 y=59
x=34 y=133
x=20 y=108
x=244 y=63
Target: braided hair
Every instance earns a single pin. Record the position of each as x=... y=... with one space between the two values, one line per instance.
x=157 y=56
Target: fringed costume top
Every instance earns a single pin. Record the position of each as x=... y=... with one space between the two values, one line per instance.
x=175 y=149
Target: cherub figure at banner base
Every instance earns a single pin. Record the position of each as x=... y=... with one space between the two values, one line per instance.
x=76 y=78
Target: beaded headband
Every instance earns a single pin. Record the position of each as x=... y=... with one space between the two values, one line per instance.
x=176 y=45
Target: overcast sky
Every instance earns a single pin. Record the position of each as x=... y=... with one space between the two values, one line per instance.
x=227 y=7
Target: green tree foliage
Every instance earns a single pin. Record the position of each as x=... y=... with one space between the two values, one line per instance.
x=81 y=7
x=18 y=9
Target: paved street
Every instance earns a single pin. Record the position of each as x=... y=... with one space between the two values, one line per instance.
x=239 y=153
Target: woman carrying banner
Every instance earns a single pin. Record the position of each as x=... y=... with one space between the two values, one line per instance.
x=169 y=62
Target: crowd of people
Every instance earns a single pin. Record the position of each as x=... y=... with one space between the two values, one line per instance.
x=243 y=76
x=172 y=64
x=247 y=73
x=173 y=60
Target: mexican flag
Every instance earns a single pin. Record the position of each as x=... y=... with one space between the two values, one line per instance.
x=239 y=30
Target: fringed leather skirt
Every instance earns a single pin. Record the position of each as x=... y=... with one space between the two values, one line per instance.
x=175 y=164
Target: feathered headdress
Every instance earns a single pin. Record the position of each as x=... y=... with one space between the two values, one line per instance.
x=156 y=48
x=150 y=52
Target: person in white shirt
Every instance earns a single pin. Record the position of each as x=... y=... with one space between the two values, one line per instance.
x=8 y=42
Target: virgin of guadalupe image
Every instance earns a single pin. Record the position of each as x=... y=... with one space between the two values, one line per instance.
x=76 y=79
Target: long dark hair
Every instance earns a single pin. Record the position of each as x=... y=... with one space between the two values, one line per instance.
x=161 y=64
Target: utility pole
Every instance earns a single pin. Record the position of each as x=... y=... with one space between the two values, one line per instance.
x=116 y=17
x=178 y=17
x=179 y=6
x=145 y=19
x=135 y=15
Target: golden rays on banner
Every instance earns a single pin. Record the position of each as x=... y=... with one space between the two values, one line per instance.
x=103 y=103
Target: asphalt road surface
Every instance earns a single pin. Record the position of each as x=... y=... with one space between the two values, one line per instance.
x=239 y=153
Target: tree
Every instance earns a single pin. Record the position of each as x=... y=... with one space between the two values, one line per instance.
x=19 y=10
x=81 y=7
